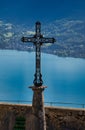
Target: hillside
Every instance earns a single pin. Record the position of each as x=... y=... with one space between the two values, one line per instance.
x=69 y=35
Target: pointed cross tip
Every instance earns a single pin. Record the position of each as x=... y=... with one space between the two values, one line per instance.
x=54 y=40
x=38 y=22
x=22 y=39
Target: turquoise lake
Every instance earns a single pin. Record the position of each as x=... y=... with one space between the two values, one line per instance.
x=64 y=77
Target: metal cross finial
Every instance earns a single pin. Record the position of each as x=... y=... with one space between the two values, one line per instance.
x=38 y=39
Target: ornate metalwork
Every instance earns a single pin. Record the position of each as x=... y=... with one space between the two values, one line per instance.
x=38 y=40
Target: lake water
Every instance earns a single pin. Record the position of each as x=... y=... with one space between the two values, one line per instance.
x=65 y=77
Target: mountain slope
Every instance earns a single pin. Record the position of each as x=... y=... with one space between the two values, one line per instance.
x=69 y=35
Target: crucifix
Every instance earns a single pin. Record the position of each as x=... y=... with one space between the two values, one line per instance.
x=38 y=113
x=38 y=40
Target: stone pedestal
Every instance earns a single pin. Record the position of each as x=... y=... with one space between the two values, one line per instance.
x=38 y=110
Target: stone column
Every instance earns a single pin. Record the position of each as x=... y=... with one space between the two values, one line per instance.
x=38 y=110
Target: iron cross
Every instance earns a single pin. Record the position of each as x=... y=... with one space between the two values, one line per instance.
x=38 y=40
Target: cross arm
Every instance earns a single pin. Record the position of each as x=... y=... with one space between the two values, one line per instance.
x=47 y=40
x=28 y=39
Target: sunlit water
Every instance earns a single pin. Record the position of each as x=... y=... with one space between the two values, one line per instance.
x=65 y=77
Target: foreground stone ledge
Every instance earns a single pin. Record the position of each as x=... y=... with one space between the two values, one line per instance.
x=57 y=118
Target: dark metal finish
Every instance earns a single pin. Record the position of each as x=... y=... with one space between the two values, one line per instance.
x=38 y=39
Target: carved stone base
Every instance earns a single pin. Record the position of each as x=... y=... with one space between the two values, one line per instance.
x=38 y=107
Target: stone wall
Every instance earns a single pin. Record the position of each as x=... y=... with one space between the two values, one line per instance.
x=56 y=118
x=65 y=119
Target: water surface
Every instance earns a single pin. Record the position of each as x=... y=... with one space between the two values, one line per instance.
x=65 y=77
